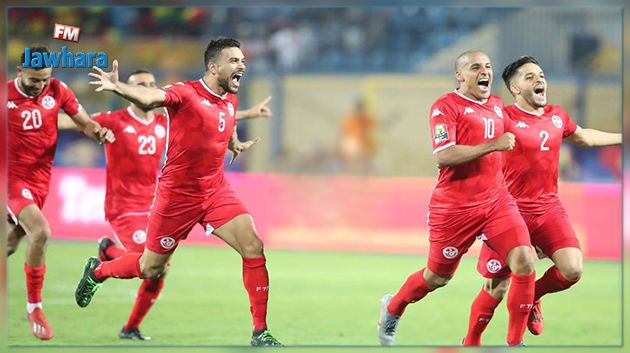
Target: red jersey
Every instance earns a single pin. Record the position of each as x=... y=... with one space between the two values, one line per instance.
x=33 y=130
x=531 y=168
x=201 y=124
x=458 y=120
x=133 y=161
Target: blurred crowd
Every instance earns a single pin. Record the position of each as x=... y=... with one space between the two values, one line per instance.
x=283 y=40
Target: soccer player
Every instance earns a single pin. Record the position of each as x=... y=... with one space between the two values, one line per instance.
x=470 y=200
x=192 y=187
x=531 y=172
x=34 y=100
x=133 y=163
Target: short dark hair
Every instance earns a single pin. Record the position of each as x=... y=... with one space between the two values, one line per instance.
x=215 y=47
x=510 y=70
x=137 y=72
x=35 y=49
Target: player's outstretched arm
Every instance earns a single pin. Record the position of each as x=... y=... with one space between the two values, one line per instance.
x=260 y=110
x=594 y=138
x=65 y=122
x=459 y=154
x=92 y=129
x=139 y=95
x=236 y=146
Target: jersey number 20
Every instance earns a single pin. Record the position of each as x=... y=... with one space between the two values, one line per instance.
x=32 y=119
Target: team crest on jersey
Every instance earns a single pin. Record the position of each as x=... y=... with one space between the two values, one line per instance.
x=493 y=266
x=159 y=131
x=230 y=108
x=450 y=252
x=48 y=102
x=139 y=236
x=26 y=193
x=167 y=242
x=557 y=121
x=440 y=133
x=498 y=111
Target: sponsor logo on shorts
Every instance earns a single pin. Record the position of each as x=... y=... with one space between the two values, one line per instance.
x=557 y=121
x=450 y=252
x=167 y=242
x=493 y=266
x=26 y=193
x=48 y=102
x=139 y=236
x=440 y=133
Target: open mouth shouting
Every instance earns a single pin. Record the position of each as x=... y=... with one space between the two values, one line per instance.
x=235 y=79
x=484 y=84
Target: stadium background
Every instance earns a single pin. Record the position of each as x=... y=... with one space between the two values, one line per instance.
x=309 y=184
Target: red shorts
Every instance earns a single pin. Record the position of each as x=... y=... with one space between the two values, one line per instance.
x=549 y=231
x=451 y=234
x=131 y=231
x=21 y=195
x=171 y=220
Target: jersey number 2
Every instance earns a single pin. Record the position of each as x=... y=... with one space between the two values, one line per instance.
x=544 y=135
x=32 y=119
x=147 y=144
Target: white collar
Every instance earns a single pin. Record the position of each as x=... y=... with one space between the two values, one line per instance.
x=139 y=119
x=17 y=87
x=528 y=112
x=470 y=99
x=211 y=91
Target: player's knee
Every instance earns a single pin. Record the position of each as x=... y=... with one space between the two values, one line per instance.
x=521 y=261
x=437 y=281
x=573 y=272
x=39 y=237
x=253 y=247
x=151 y=270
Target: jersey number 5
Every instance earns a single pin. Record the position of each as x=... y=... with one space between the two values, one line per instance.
x=147 y=144
x=32 y=119
x=221 y=121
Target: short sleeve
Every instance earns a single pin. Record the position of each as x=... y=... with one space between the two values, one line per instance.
x=69 y=102
x=443 y=121
x=176 y=95
x=569 y=126
x=104 y=119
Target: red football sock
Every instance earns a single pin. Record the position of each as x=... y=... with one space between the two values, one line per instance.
x=256 y=281
x=34 y=283
x=147 y=295
x=519 y=302
x=552 y=281
x=126 y=266
x=414 y=289
x=481 y=312
x=114 y=252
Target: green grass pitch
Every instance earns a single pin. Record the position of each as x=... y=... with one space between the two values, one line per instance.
x=316 y=298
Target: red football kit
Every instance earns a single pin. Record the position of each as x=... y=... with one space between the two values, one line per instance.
x=32 y=141
x=192 y=187
x=531 y=174
x=471 y=199
x=133 y=162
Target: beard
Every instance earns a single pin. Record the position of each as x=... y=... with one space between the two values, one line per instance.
x=30 y=90
x=225 y=84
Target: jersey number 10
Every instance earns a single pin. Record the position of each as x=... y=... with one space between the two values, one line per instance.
x=488 y=132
